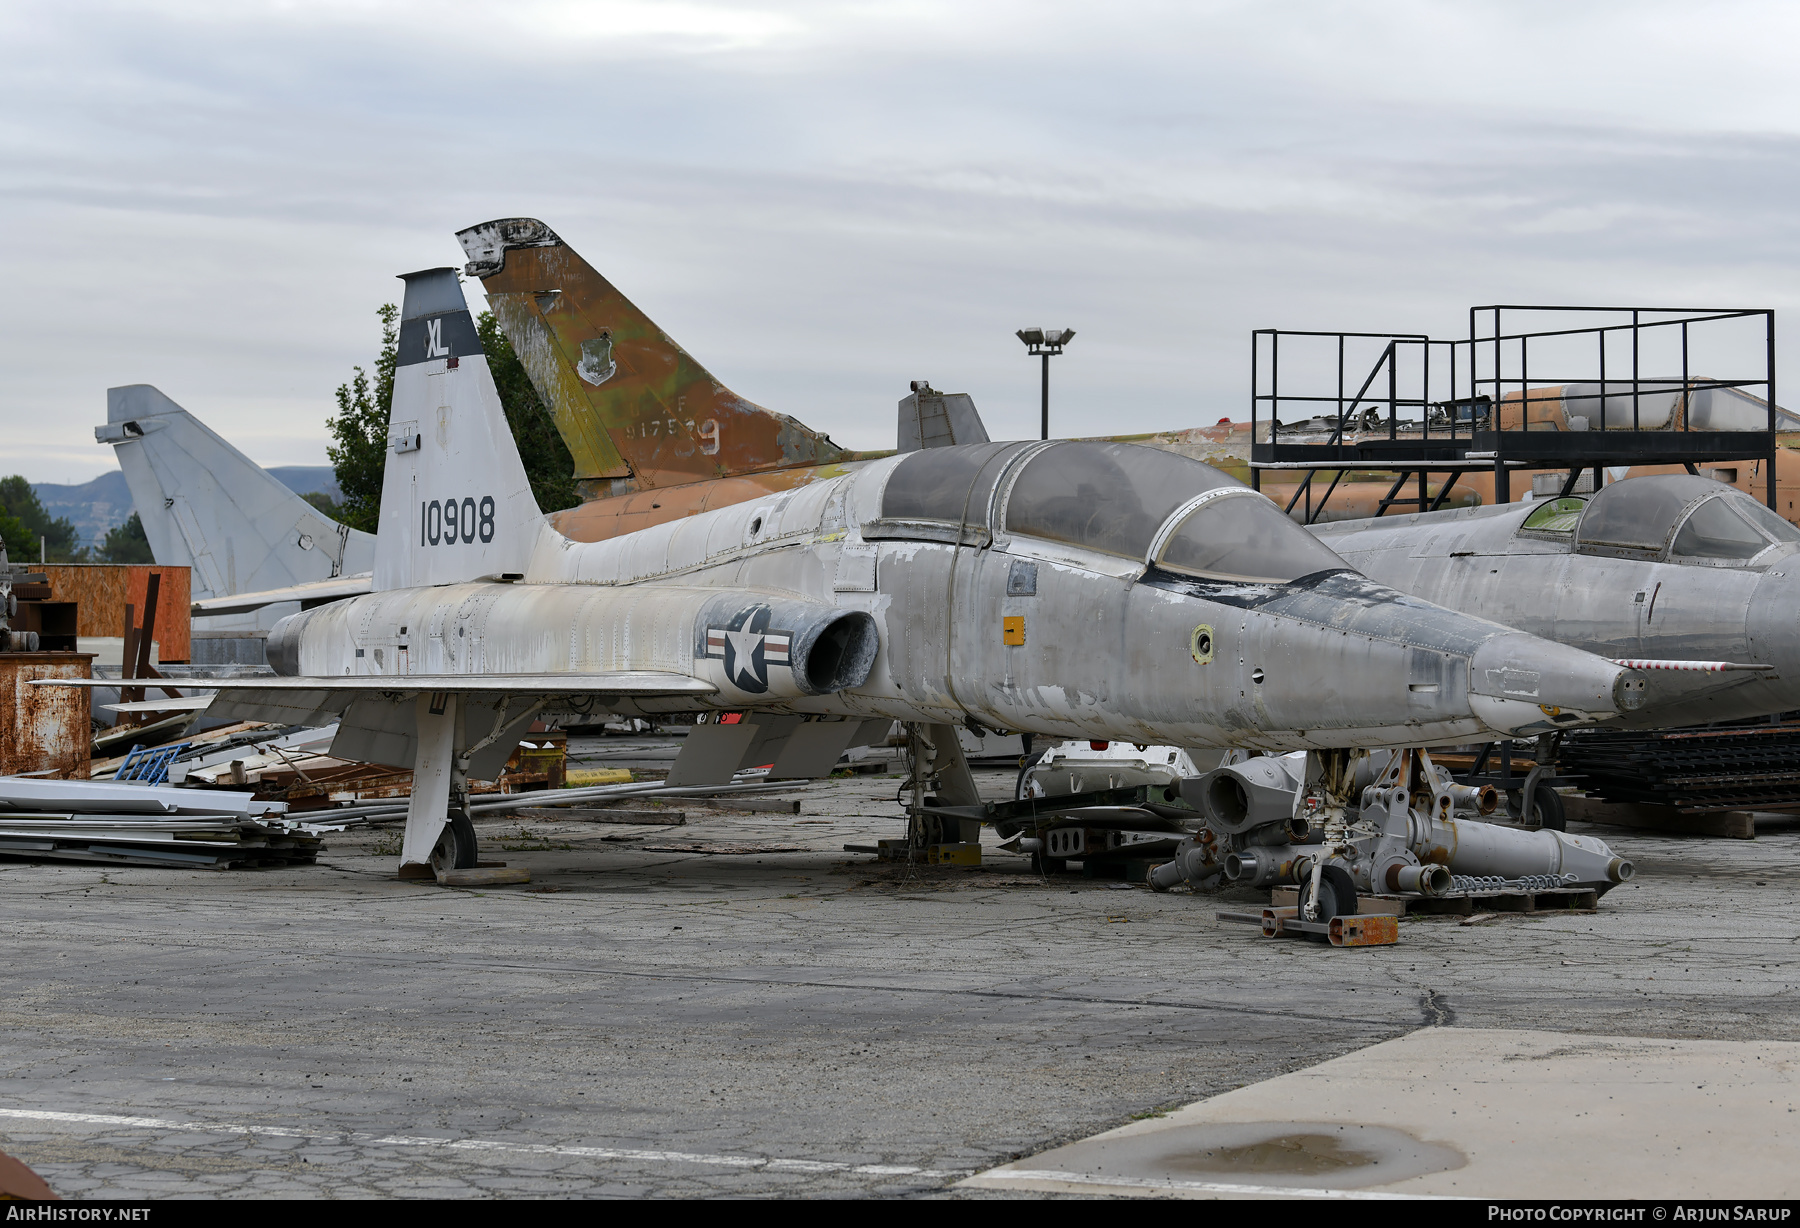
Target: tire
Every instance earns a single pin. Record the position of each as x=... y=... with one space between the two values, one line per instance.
x=1027 y=762
x=1041 y=864
x=456 y=848
x=1551 y=812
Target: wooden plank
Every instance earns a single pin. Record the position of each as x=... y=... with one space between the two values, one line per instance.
x=483 y=878
x=103 y=589
x=749 y=805
x=1366 y=905
x=573 y=814
x=1731 y=824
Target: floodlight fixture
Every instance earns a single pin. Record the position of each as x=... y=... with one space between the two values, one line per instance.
x=1046 y=343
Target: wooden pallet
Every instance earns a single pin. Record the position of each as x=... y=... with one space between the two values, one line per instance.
x=1555 y=899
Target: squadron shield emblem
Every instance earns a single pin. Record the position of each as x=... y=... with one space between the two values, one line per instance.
x=748 y=648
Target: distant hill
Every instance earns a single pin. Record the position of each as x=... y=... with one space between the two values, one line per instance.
x=105 y=502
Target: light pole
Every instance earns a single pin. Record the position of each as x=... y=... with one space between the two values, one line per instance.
x=1046 y=343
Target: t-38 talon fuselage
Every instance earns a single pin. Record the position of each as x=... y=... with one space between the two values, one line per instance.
x=1071 y=589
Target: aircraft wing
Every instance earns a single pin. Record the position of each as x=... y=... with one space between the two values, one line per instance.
x=312 y=590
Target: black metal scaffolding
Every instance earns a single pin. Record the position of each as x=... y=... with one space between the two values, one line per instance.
x=1438 y=406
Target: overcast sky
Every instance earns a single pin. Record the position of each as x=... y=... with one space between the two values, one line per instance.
x=822 y=201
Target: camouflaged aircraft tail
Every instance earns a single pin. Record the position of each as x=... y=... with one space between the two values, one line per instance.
x=636 y=410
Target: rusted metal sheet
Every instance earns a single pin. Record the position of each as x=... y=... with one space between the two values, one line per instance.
x=104 y=589
x=44 y=728
x=629 y=401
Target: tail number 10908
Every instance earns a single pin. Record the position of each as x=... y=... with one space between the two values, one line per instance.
x=446 y=522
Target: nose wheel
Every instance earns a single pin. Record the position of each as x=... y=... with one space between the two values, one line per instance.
x=455 y=848
x=1337 y=896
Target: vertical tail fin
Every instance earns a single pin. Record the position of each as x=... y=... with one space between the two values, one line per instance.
x=455 y=502
x=634 y=407
x=206 y=505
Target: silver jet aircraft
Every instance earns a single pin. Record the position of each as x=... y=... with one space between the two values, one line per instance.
x=1093 y=590
x=1674 y=573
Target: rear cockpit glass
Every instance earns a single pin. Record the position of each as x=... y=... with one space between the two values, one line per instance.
x=1556 y=515
x=1640 y=513
x=951 y=484
x=1245 y=538
x=1715 y=530
x=1110 y=497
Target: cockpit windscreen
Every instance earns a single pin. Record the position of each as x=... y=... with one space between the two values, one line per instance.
x=1245 y=538
x=1716 y=531
x=1110 y=497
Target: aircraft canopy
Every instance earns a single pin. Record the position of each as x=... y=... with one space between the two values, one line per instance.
x=1693 y=517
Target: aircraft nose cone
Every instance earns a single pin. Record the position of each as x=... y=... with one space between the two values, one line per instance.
x=1520 y=684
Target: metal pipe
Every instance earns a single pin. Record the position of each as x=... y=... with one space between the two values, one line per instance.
x=557 y=797
x=1482 y=800
x=1430 y=880
x=1469 y=847
x=1266 y=866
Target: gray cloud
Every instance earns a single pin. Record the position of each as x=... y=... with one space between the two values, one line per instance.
x=824 y=201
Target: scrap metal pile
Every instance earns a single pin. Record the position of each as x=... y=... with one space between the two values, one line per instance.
x=142 y=825
x=1694 y=770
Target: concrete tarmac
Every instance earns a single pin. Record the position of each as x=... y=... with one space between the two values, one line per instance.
x=1464 y=1113
x=793 y=1020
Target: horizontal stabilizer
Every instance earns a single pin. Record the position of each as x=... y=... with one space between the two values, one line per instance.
x=312 y=592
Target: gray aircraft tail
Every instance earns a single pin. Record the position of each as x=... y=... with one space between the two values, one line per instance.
x=207 y=506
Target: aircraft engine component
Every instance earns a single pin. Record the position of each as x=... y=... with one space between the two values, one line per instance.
x=1482 y=799
x=1488 y=850
x=1266 y=866
x=1401 y=839
x=1297 y=830
x=1239 y=797
x=1193 y=866
x=1426 y=880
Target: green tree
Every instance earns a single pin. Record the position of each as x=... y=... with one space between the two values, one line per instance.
x=548 y=464
x=21 y=542
x=323 y=502
x=360 y=428
x=19 y=501
x=127 y=544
